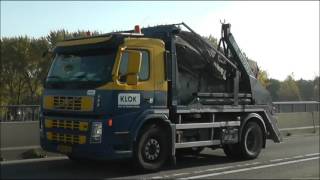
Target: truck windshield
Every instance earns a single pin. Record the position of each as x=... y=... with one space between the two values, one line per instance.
x=85 y=69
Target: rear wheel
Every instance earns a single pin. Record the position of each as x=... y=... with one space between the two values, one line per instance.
x=152 y=148
x=250 y=145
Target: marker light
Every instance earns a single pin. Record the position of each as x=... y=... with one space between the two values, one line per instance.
x=110 y=122
x=137 y=29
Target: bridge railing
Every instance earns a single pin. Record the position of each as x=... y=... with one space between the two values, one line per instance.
x=296 y=106
x=9 y=113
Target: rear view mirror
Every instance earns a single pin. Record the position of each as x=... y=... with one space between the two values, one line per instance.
x=134 y=65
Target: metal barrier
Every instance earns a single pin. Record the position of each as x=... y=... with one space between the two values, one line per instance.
x=297 y=106
x=10 y=113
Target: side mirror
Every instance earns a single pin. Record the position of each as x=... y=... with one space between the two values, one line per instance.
x=134 y=64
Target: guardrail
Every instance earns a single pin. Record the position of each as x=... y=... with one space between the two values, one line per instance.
x=297 y=106
x=11 y=113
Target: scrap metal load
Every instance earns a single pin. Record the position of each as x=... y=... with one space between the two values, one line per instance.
x=200 y=69
x=208 y=74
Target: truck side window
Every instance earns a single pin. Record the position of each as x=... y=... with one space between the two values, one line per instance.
x=144 y=69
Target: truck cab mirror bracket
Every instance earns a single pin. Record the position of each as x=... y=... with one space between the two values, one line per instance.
x=168 y=65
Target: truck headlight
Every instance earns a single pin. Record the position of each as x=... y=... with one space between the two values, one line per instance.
x=96 y=132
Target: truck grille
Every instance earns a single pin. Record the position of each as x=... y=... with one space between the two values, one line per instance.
x=66 y=138
x=67 y=124
x=69 y=103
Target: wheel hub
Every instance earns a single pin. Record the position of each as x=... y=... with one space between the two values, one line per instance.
x=152 y=149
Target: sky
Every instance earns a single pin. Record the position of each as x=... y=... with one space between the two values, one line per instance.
x=283 y=37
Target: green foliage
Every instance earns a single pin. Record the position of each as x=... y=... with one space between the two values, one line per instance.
x=23 y=68
x=263 y=78
x=33 y=153
x=273 y=87
x=289 y=90
x=212 y=40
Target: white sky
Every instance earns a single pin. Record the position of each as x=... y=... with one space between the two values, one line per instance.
x=283 y=37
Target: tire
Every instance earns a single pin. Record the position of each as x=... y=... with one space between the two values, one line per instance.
x=77 y=159
x=151 y=150
x=232 y=151
x=250 y=145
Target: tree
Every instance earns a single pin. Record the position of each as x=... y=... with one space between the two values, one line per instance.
x=212 y=40
x=273 y=87
x=306 y=89
x=289 y=90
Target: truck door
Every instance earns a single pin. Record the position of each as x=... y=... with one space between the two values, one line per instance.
x=134 y=98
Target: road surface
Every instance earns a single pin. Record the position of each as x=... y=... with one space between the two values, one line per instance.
x=295 y=158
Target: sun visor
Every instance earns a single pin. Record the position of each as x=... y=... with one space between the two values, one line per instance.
x=72 y=46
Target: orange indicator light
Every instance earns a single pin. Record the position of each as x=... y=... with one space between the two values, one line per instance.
x=110 y=122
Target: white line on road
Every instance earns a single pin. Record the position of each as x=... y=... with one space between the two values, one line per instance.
x=251 y=168
x=19 y=148
x=313 y=154
x=33 y=160
x=297 y=128
x=234 y=166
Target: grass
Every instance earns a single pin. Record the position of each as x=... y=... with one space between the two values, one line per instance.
x=34 y=153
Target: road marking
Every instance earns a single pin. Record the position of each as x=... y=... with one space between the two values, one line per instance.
x=230 y=167
x=180 y=174
x=297 y=128
x=276 y=160
x=33 y=160
x=251 y=168
x=298 y=157
x=19 y=148
x=314 y=154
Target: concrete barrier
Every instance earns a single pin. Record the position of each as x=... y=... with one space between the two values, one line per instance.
x=21 y=136
x=15 y=134
x=299 y=122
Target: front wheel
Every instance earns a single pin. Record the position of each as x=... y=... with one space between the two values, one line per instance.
x=151 y=151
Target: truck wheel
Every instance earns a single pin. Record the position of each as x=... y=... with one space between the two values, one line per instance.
x=252 y=140
x=152 y=149
x=232 y=150
x=250 y=145
x=76 y=159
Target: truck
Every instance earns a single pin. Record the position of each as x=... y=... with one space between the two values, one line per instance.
x=149 y=94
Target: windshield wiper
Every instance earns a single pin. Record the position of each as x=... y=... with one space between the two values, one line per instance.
x=54 y=77
x=80 y=76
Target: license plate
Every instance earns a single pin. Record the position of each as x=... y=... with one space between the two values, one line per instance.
x=64 y=149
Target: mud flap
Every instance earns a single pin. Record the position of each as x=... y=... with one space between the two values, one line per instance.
x=273 y=128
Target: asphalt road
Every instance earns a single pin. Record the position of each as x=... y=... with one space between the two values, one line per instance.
x=295 y=158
